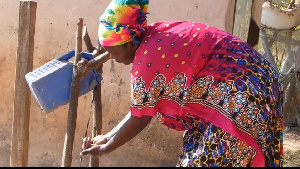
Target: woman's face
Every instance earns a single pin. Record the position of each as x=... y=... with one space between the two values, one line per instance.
x=122 y=53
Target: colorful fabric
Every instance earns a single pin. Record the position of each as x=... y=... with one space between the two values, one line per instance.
x=185 y=71
x=122 y=21
x=209 y=146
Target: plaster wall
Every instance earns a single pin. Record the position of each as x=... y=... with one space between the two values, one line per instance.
x=55 y=35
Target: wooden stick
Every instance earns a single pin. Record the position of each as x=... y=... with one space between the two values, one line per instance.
x=22 y=95
x=87 y=40
x=73 y=103
x=97 y=61
x=96 y=98
x=97 y=114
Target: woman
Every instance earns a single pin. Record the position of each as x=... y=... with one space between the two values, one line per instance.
x=197 y=79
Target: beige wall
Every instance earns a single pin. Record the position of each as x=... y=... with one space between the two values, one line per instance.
x=55 y=35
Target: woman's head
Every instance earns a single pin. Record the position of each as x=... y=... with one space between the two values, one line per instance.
x=124 y=53
x=123 y=21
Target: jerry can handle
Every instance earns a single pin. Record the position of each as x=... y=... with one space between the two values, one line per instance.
x=71 y=54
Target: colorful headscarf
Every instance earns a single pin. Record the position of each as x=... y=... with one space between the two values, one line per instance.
x=122 y=21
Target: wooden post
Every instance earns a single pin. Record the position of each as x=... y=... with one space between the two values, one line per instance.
x=22 y=95
x=97 y=119
x=97 y=116
x=242 y=17
x=73 y=103
x=96 y=98
x=247 y=21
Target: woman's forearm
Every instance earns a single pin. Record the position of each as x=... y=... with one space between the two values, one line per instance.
x=127 y=129
x=110 y=134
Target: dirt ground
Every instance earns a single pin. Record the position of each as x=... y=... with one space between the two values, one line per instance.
x=291 y=146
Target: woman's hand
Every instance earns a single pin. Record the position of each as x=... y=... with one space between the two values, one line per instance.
x=127 y=129
x=98 y=150
x=91 y=145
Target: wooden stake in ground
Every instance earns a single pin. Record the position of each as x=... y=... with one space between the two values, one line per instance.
x=96 y=98
x=22 y=95
x=73 y=103
x=97 y=116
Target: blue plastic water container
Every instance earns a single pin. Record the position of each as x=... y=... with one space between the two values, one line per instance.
x=50 y=84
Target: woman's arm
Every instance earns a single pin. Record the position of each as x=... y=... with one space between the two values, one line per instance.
x=110 y=134
x=127 y=129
